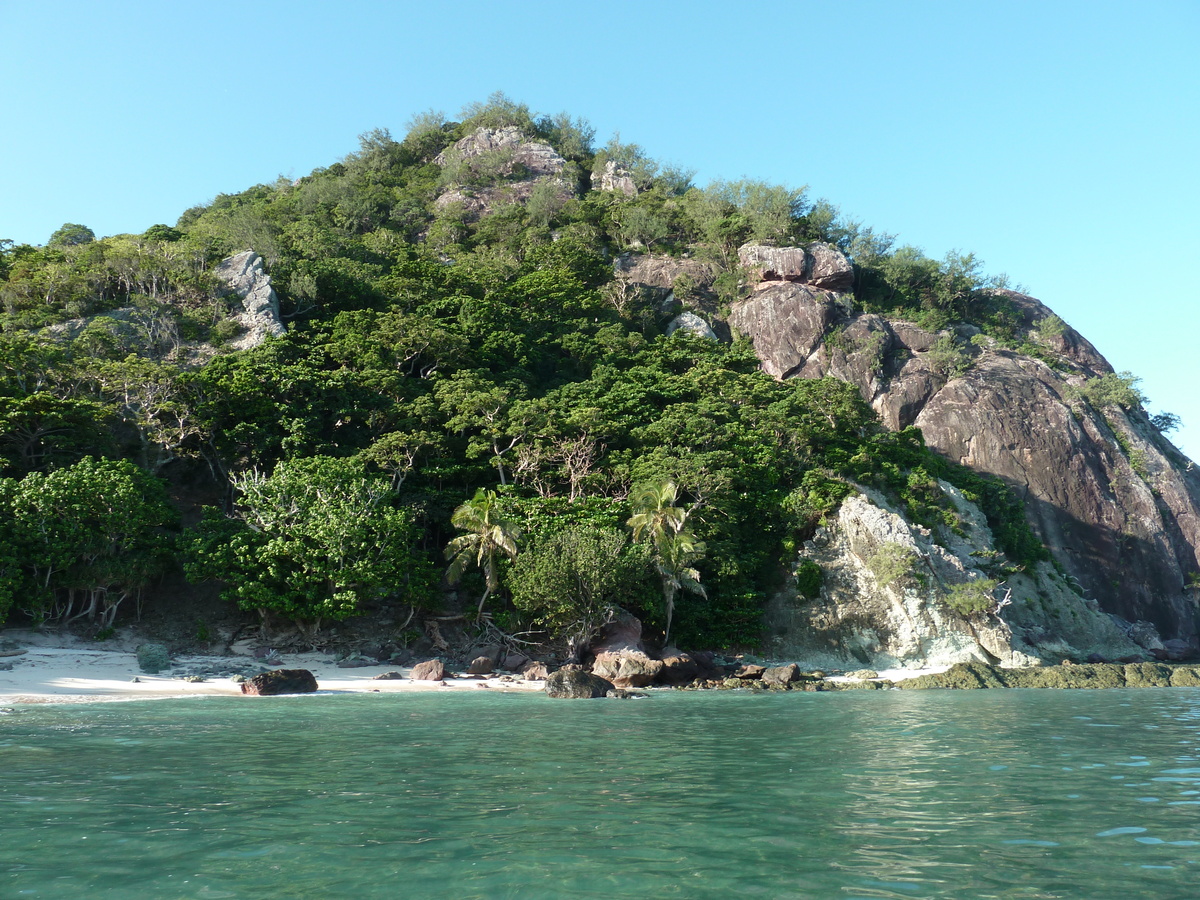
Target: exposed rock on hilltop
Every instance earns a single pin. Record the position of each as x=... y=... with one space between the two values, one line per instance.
x=508 y=148
x=506 y=155
x=1116 y=504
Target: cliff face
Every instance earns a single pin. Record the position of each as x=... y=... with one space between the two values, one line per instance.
x=1117 y=505
x=1115 y=502
x=885 y=599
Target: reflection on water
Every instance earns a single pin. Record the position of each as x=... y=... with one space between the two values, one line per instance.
x=1013 y=794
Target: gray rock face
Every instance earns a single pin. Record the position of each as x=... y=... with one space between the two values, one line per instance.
x=614 y=178
x=244 y=276
x=816 y=264
x=787 y=322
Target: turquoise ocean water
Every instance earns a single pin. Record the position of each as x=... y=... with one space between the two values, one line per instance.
x=1005 y=794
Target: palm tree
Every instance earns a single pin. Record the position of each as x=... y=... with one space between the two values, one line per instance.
x=658 y=519
x=487 y=535
x=673 y=558
x=655 y=512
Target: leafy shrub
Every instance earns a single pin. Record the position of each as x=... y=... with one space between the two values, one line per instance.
x=1114 y=389
x=945 y=358
x=891 y=563
x=809 y=579
x=971 y=596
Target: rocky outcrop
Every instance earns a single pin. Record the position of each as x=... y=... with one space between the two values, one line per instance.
x=787 y=322
x=973 y=676
x=1114 y=501
x=884 y=601
x=817 y=265
x=492 y=167
x=627 y=668
x=281 y=681
x=245 y=277
x=612 y=177
x=507 y=150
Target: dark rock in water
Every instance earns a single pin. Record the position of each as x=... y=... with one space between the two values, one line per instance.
x=679 y=668
x=781 y=674
x=481 y=665
x=856 y=685
x=430 y=670
x=575 y=683
x=281 y=681
x=1089 y=676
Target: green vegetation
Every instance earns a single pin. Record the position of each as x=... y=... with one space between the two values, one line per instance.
x=439 y=351
x=892 y=563
x=972 y=596
x=1114 y=389
x=317 y=539
x=810 y=578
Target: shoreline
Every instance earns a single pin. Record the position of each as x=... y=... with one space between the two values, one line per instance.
x=50 y=668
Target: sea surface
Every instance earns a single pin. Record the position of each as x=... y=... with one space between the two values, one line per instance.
x=976 y=794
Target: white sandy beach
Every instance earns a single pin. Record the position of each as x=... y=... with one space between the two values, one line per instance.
x=58 y=669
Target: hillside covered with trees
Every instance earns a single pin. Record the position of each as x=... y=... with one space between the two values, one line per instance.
x=470 y=412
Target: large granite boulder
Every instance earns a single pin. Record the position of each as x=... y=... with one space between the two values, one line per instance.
x=245 y=277
x=626 y=668
x=690 y=323
x=281 y=681
x=576 y=683
x=429 y=670
x=818 y=265
x=787 y=322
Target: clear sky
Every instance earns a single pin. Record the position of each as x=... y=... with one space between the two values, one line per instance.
x=1057 y=140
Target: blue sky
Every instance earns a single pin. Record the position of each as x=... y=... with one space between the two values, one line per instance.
x=1058 y=141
